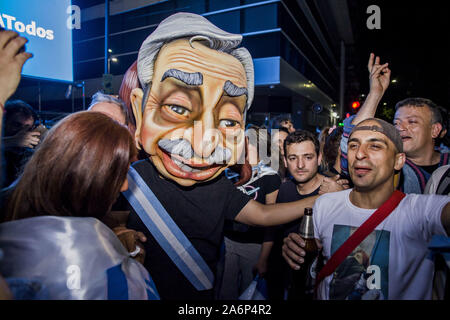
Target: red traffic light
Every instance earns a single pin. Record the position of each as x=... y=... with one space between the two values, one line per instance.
x=355 y=105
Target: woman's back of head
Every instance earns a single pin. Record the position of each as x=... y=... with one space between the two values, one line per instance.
x=78 y=169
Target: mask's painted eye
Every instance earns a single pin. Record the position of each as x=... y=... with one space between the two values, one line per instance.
x=227 y=123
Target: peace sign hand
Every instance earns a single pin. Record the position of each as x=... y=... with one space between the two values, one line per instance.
x=380 y=75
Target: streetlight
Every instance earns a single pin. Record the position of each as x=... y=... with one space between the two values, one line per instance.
x=113 y=59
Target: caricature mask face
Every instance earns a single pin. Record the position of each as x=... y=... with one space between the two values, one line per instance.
x=192 y=124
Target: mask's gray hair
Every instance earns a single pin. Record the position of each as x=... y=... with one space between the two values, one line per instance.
x=195 y=28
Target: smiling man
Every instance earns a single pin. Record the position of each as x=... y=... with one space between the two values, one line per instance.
x=396 y=263
x=190 y=117
x=419 y=123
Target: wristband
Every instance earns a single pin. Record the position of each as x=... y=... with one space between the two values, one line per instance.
x=135 y=252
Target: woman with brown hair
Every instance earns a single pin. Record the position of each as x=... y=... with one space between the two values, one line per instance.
x=78 y=171
x=53 y=233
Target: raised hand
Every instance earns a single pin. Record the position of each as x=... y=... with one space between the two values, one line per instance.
x=379 y=79
x=379 y=75
x=12 y=59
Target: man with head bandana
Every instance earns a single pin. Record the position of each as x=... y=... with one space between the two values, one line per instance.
x=196 y=89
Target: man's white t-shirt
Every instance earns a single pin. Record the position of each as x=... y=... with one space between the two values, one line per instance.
x=391 y=263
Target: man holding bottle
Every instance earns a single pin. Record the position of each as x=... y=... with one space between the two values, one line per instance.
x=302 y=158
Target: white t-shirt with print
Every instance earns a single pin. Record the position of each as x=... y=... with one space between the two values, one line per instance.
x=391 y=263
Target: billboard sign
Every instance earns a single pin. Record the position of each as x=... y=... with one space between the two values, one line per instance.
x=46 y=25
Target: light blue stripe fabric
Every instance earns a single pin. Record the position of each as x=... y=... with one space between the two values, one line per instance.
x=166 y=232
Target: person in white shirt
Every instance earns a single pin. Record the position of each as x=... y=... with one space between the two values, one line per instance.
x=391 y=262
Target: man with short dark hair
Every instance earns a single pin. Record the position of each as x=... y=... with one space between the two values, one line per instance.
x=419 y=121
x=302 y=158
x=391 y=261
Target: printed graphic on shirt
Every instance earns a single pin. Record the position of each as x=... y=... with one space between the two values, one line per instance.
x=363 y=275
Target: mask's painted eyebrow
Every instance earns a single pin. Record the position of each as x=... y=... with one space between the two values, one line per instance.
x=233 y=90
x=191 y=79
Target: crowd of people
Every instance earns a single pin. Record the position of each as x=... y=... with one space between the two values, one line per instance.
x=164 y=192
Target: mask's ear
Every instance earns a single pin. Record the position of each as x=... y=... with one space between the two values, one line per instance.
x=136 y=103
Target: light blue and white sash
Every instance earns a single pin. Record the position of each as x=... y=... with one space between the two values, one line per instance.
x=76 y=258
x=167 y=233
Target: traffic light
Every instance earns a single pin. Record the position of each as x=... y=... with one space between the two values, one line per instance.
x=355 y=105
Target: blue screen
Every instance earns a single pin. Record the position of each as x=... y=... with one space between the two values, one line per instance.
x=44 y=24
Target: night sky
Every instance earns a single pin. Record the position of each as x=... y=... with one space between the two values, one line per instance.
x=414 y=38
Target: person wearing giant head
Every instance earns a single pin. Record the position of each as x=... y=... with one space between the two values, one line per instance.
x=197 y=86
x=197 y=89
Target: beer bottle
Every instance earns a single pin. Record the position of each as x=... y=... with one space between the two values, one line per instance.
x=302 y=286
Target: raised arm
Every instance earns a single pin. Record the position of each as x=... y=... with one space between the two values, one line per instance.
x=12 y=59
x=379 y=78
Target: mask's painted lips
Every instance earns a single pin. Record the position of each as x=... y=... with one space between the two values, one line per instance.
x=180 y=169
x=193 y=163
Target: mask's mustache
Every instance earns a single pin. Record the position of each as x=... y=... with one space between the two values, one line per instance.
x=183 y=148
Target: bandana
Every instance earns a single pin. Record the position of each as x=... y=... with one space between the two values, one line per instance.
x=385 y=128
